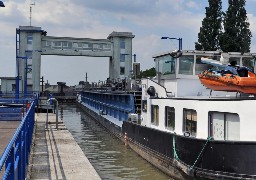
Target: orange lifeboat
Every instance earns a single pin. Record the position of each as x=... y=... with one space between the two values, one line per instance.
x=244 y=82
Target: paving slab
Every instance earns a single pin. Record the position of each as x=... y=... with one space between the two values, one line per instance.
x=56 y=155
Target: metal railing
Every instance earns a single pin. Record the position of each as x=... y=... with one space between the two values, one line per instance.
x=57 y=107
x=11 y=94
x=14 y=159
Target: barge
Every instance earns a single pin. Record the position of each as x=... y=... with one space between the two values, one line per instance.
x=180 y=126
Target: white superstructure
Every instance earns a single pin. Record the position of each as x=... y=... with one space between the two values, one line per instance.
x=181 y=104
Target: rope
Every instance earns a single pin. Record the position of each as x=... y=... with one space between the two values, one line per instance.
x=174 y=149
x=208 y=139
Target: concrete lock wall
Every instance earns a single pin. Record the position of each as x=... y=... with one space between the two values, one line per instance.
x=32 y=44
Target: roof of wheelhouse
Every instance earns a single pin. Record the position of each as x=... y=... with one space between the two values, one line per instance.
x=203 y=52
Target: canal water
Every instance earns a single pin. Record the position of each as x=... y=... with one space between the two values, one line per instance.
x=109 y=156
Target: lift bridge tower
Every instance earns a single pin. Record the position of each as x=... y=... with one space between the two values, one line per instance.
x=33 y=42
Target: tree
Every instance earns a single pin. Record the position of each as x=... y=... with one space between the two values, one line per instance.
x=208 y=37
x=148 y=73
x=237 y=35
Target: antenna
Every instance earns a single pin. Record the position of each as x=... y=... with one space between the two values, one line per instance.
x=30 y=17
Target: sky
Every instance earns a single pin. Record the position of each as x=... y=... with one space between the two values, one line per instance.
x=148 y=20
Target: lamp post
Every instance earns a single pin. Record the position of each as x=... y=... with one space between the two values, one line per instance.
x=2 y=4
x=134 y=58
x=179 y=39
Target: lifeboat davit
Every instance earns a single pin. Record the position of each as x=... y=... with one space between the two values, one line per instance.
x=244 y=82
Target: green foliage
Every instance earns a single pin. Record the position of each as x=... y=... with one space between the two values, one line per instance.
x=208 y=37
x=148 y=73
x=237 y=35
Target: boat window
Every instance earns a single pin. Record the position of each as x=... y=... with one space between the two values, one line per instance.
x=249 y=62
x=144 y=105
x=201 y=66
x=186 y=64
x=224 y=126
x=237 y=59
x=190 y=121
x=165 y=65
x=170 y=118
x=155 y=115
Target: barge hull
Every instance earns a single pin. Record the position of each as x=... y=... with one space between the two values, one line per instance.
x=157 y=147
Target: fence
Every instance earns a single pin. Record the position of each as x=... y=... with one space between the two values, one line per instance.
x=14 y=159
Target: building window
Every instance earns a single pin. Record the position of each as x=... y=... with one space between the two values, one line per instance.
x=122 y=43
x=170 y=118
x=190 y=121
x=122 y=57
x=224 y=126
x=57 y=45
x=186 y=65
x=66 y=45
x=122 y=70
x=155 y=115
x=29 y=54
x=144 y=105
x=29 y=38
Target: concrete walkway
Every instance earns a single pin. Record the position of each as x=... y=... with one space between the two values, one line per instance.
x=56 y=155
x=7 y=129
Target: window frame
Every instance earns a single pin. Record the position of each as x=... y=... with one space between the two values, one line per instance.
x=191 y=133
x=122 y=70
x=172 y=119
x=210 y=124
x=183 y=70
x=144 y=105
x=155 y=117
x=122 y=43
x=122 y=57
x=30 y=38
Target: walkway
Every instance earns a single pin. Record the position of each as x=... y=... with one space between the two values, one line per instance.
x=56 y=155
x=7 y=129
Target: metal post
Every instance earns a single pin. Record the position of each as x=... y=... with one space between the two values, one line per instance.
x=17 y=65
x=180 y=44
x=42 y=84
x=57 y=114
x=47 y=115
x=57 y=106
x=158 y=73
x=25 y=77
